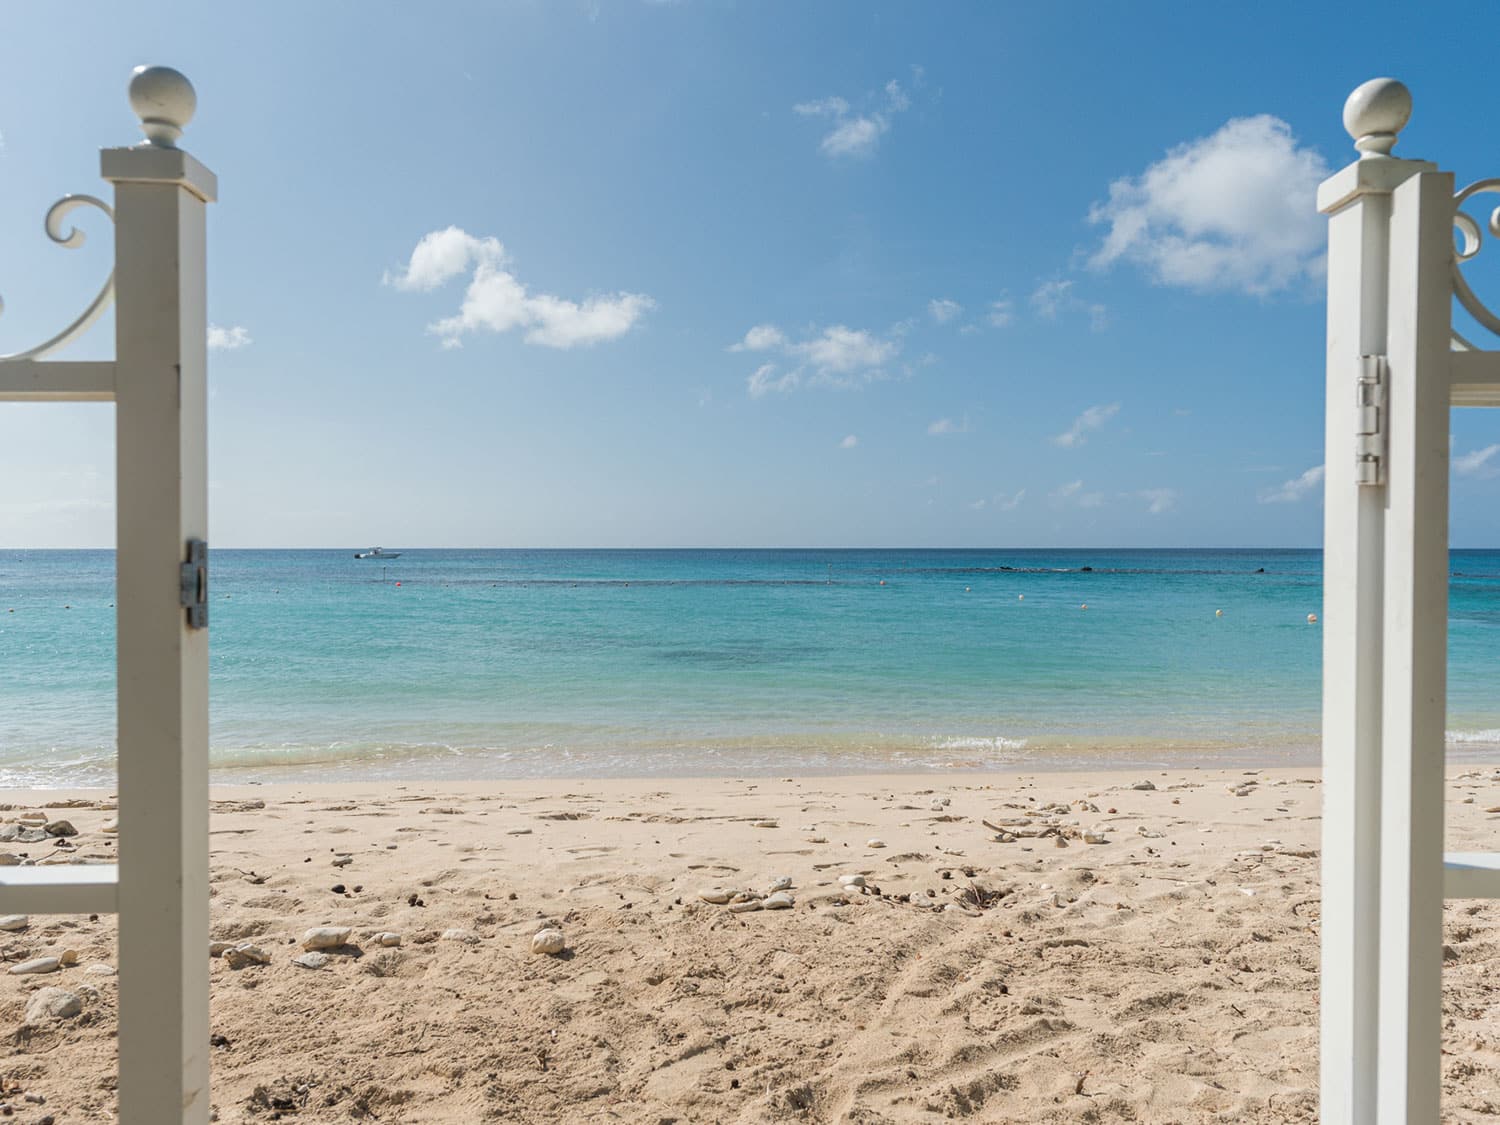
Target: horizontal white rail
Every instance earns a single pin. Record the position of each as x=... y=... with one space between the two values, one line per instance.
x=1471 y=875
x=1474 y=378
x=35 y=380
x=89 y=888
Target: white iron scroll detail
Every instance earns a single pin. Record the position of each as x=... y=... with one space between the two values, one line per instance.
x=1472 y=236
x=73 y=239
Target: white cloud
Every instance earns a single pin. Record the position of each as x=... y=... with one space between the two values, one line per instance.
x=761 y=338
x=1098 y=318
x=764 y=380
x=838 y=356
x=1090 y=420
x=857 y=134
x=1232 y=211
x=442 y=255
x=1073 y=494
x=948 y=426
x=497 y=301
x=227 y=339
x=1010 y=503
x=979 y=504
x=1295 y=489
x=1049 y=297
x=1158 y=500
x=1002 y=312
x=849 y=442
x=1477 y=463
x=943 y=310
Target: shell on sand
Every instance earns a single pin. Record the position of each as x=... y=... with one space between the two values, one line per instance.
x=716 y=895
x=311 y=960
x=326 y=937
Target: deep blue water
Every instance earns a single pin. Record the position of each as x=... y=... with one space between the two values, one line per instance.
x=515 y=663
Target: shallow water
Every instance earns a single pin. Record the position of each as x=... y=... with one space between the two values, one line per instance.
x=464 y=663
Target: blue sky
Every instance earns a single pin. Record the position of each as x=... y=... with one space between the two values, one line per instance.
x=711 y=274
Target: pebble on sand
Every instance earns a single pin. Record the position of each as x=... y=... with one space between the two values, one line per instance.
x=548 y=941
x=1144 y=785
x=1095 y=835
x=388 y=939
x=61 y=828
x=718 y=896
x=247 y=953
x=326 y=937
x=746 y=906
x=874 y=842
x=852 y=880
x=467 y=937
x=779 y=900
x=311 y=960
x=14 y=922
x=45 y=964
x=780 y=883
x=52 y=1004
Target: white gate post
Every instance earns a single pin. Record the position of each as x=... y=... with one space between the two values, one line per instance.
x=1357 y=200
x=1416 y=649
x=161 y=417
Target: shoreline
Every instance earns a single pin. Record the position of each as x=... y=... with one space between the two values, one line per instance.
x=1169 y=973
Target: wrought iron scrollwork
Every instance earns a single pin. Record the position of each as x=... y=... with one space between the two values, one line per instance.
x=1472 y=240
x=71 y=240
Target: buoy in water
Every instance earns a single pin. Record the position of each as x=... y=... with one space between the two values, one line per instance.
x=1085 y=605
x=966 y=589
x=1312 y=618
x=1020 y=597
x=1218 y=613
x=882 y=581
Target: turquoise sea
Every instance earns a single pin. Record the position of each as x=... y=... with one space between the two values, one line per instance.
x=508 y=663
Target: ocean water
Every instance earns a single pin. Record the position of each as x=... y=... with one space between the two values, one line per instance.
x=473 y=663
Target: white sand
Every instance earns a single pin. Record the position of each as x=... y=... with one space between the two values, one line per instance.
x=1153 y=978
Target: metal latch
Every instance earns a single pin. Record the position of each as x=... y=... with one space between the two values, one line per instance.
x=1369 y=439
x=195 y=584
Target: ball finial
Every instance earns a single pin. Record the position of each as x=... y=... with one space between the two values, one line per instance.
x=164 y=100
x=1375 y=113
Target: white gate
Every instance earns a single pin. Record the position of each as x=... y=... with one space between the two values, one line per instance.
x=1395 y=366
x=156 y=381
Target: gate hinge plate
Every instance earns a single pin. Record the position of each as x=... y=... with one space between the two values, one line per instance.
x=194 y=584
x=1369 y=432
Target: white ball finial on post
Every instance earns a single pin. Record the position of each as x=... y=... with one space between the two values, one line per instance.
x=1375 y=113
x=164 y=100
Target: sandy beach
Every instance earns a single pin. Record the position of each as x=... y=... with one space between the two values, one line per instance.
x=1167 y=974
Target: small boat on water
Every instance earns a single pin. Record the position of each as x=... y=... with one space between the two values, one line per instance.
x=377 y=553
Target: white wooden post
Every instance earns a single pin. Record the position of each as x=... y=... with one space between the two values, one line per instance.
x=161 y=420
x=1416 y=649
x=1358 y=201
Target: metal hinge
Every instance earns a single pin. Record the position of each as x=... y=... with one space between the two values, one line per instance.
x=1369 y=432
x=194 y=579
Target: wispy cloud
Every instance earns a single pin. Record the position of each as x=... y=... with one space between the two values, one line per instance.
x=497 y=301
x=1477 y=463
x=1047 y=300
x=1072 y=494
x=1086 y=423
x=1158 y=500
x=857 y=133
x=1001 y=313
x=1232 y=211
x=943 y=310
x=228 y=339
x=1295 y=489
x=838 y=357
x=849 y=442
x=1012 y=502
x=947 y=426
